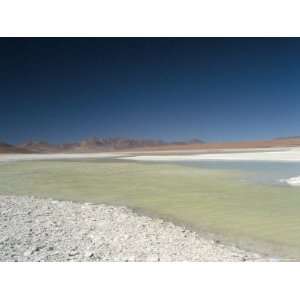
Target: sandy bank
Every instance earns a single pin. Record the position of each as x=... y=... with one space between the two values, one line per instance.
x=34 y=229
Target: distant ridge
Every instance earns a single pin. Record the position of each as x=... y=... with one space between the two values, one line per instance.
x=139 y=145
x=7 y=148
x=295 y=137
x=101 y=144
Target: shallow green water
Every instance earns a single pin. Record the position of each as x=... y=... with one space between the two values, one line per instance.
x=209 y=199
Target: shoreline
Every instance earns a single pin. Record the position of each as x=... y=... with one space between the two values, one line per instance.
x=54 y=156
x=283 y=155
x=287 y=154
x=36 y=229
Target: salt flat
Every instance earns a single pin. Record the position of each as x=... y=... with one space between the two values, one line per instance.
x=287 y=154
x=260 y=154
x=54 y=156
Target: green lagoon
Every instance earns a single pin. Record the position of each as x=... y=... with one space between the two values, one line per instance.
x=240 y=203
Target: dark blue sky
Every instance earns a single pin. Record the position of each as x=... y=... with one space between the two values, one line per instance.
x=219 y=89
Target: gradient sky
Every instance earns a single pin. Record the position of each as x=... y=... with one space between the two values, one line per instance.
x=215 y=89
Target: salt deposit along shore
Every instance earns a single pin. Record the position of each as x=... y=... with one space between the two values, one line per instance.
x=262 y=154
x=280 y=155
x=33 y=229
x=54 y=156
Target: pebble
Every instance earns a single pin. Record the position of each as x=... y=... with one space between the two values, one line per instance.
x=33 y=229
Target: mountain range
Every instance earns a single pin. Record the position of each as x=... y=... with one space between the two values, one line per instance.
x=124 y=144
x=91 y=145
x=6 y=148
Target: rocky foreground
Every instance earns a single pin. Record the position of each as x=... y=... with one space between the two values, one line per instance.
x=34 y=229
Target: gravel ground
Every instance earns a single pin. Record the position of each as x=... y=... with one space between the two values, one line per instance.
x=33 y=229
